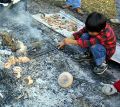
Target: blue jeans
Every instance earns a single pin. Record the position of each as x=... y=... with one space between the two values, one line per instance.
x=98 y=51
x=74 y=3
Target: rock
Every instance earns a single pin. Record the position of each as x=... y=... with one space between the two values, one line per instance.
x=23 y=59
x=7 y=65
x=65 y=79
x=17 y=71
x=12 y=60
x=29 y=80
x=21 y=47
x=17 y=74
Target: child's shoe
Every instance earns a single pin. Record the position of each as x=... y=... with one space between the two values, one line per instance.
x=101 y=69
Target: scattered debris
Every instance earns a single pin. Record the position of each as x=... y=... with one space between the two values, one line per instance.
x=22 y=95
x=17 y=71
x=7 y=65
x=19 y=97
x=8 y=41
x=29 y=80
x=17 y=74
x=65 y=80
x=12 y=60
x=21 y=47
x=23 y=59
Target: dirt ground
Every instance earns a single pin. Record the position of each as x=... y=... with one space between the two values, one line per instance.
x=107 y=7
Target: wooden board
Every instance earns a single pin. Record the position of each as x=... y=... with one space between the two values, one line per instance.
x=116 y=56
x=64 y=32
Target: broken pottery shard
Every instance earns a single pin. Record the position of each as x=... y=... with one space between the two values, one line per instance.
x=7 y=65
x=23 y=59
x=17 y=71
x=21 y=47
x=29 y=80
x=12 y=60
x=65 y=80
x=17 y=74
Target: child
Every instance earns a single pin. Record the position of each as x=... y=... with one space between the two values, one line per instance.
x=75 y=4
x=98 y=37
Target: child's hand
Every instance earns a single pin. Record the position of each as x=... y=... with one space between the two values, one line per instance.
x=67 y=41
x=61 y=45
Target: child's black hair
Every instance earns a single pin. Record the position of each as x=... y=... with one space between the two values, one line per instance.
x=95 y=22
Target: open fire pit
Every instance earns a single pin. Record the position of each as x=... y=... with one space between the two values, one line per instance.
x=45 y=65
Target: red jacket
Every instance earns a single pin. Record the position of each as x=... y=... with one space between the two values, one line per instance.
x=106 y=38
x=117 y=85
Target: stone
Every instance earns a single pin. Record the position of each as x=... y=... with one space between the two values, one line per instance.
x=65 y=79
x=22 y=49
x=29 y=80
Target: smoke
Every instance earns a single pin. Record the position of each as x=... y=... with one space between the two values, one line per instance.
x=20 y=21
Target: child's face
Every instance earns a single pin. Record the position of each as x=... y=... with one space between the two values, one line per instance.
x=93 y=33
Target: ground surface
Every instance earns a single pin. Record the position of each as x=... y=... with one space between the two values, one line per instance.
x=46 y=65
x=107 y=7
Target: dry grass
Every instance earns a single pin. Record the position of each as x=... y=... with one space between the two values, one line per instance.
x=107 y=7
